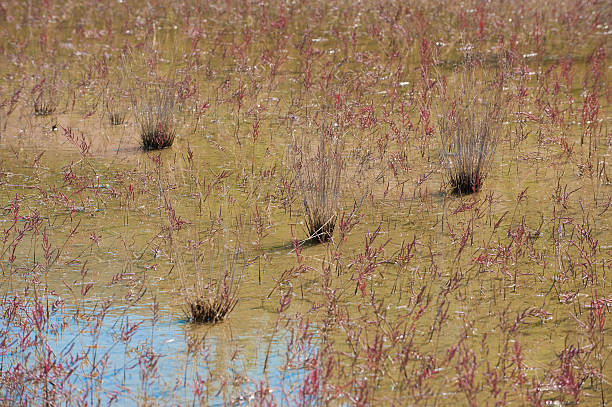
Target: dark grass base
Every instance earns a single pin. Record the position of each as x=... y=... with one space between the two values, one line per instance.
x=465 y=185
x=205 y=311
x=116 y=119
x=321 y=233
x=43 y=109
x=157 y=140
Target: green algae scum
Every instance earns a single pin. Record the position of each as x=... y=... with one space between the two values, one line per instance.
x=305 y=203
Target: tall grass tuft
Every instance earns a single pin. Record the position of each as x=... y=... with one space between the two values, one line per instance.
x=318 y=176
x=45 y=99
x=213 y=301
x=115 y=111
x=469 y=124
x=154 y=110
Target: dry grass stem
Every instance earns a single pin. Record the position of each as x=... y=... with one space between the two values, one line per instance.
x=3 y=120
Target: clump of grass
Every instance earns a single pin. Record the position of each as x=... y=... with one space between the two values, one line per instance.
x=318 y=178
x=44 y=95
x=45 y=101
x=154 y=109
x=469 y=126
x=212 y=309
x=213 y=302
x=116 y=100
x=114 y=111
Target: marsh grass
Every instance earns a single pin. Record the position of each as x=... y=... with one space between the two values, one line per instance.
x=45 y=94
x=154 y=110
x=469 y=124
x=115 y=111
x=214 y=300
x=418 y=299
x=318 y=176
x=45 y=101
x=212 y=308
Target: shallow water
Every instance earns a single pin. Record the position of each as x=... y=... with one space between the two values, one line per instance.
x=497 y=285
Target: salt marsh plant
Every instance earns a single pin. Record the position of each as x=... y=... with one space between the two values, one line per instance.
x=318 y=175
x=115 y=111
x=501 y=297
x=44 y=99
x=116 y=99
x=7 y=107
x=213 y=301
x=154 y=109
x=470 y=123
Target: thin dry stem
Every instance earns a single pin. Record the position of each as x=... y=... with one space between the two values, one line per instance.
x=3 y=120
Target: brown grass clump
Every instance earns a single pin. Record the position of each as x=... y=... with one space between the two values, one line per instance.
x=212 y=309
x=469 y=126
x=318 y=176
x=44 y=94
x=115 y=112
x=45 y=102
x=213 y=303
x=154 y=110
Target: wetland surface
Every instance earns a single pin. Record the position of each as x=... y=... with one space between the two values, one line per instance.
x=422 y=297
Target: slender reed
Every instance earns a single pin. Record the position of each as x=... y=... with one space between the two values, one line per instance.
x=3 y=120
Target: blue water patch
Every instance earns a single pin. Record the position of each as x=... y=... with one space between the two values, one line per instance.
x=126 y=357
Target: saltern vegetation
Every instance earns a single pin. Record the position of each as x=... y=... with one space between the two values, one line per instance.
x=305 y=203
